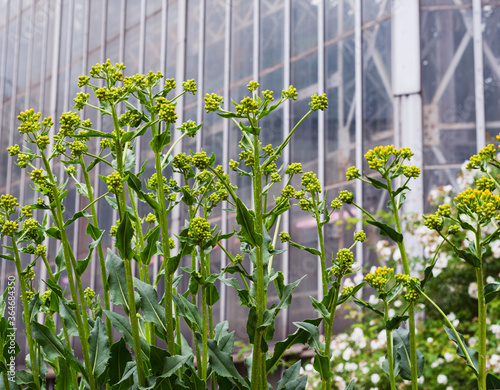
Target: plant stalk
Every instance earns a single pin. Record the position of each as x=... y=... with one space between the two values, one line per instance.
x=260 y=288
x=411 y=308
x=26 y=311
x=481 y=316
x=390 y=348
x=100 y=252
x=122 y=209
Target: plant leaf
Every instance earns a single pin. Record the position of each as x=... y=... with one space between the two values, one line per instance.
x=246 y=220
x=124 y=237
x=491 y=290
x=322 y=365
x=492 y=382
x=402 y=346
x=98 y=348
x=120 y=356
x=122 y=325
x=386 y=230
x=291 y=380
x=117 y=282
x=313 y=332
x=52 y=346
x=152 y=311
x=473 y=354
x=301 y=336
x=172 y=363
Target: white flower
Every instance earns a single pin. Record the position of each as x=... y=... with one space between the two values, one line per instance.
x=309 y=367
x=365 y=370
x=490 y=279
x=448 y=356
x=442 y=379
x=441 y=263
x=472 y=342
x=373 y=300
x=375 y=378
x=473 y=290
x=351 y=366
x=449 y=388
x=358 y=278
x=495 y=249
x=397 y=255
x=437 y=362
x=430 y=340
x=346 y=355
x=398 y=303
x=420 y=380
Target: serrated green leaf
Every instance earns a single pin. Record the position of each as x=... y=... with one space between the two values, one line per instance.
x=313 y=332
x=52 y=346
x=492 y=382
x=92 y=231
x=152 y=311
x=300 y=336
x=312 y=251
x=150 y=250
x=386 y=230
x=402 y=346
x=98 y=348
x=117 y=281
x=120 y=356
x=222 y=363
x=320 y=308
x=491 y=290
x=473 y=354
x=394 y=322
x=172 y=363
x=362 y=303
x=246 y=220
x=122 y=325
x=190 y=313
x=322 y=366
x=124 y=237
x=291 y=380
x=376 y=183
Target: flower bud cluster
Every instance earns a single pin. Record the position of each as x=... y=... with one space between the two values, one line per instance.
x=484 y=204
x=379 y=278
x=411 y=171
x=411 y=293
x=199 y=229
x=201 y=160
x=285 y=237
x=346 y=197
x=485 y=154
x=294 y=168
x=166 y=110
x=433 y=222
x=190 y=86
x=29 y=121
x=69 y=122
x=213 y=102
x=311 y=183
x=131 y=118
x=252 y=86
x=343 y=263
x=247 y=106
x=13 y=150
x=9 y=228
x=360 y=236
x=30 y=228
x=78 y=148
x=352 y=173
x=114 y=182
x=318 y=102
x=182 y=162
x=8 y=203
x=38 y=177
x=290 y=93
x=81 y=99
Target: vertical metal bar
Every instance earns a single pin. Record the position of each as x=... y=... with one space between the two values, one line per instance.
x=321 y=115
x=225 y=141
x=256 y=40
x=180 y=72
x=13 y=98
x=123 y=19
x=3 y=67
x=163 y=45
x=5 y=43
x=201 y=69
x=287 y=54
x=478 y=73
x=358 y=75
x=142 y=39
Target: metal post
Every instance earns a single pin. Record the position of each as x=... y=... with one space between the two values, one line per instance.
x=478 y=73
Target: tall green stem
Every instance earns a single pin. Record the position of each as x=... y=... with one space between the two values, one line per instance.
x=100 y=252
x=204 y=336
x=390 y=348
x=166 y=248
x=260 y=289
x=481 y=316
x=26 y=311
x=122 y=208
x=411 y=308
x=70 y=263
